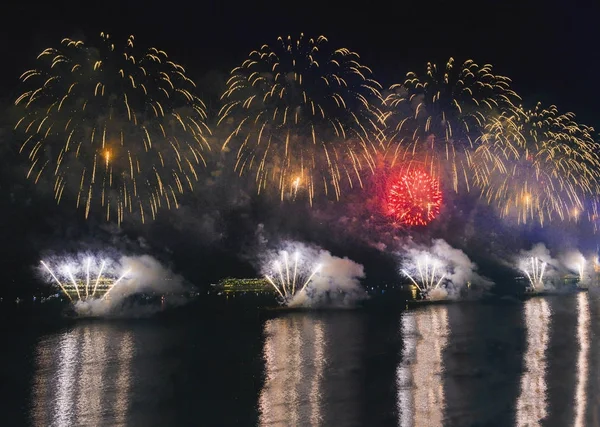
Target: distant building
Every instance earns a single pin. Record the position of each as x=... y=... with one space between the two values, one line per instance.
x=566 y=280
x=235 y=286
x=570 y=280
x=83 y=290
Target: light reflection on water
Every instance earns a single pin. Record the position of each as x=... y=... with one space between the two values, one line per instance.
x=294 y=353
x=421 y=399
x=583 y=333
x=312 y=371
x=532 y=400
x=458 y=365
x=75 y=381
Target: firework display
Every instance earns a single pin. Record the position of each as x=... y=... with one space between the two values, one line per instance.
x=302 y=116
x=119 y=127
x=83 y=280
x=290 y=275
x=537 y=165
x=435 y=118
x=535 y=269
x=427 y=273
x=414 y=198
x=121 y=132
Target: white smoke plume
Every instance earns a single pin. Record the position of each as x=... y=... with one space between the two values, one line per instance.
x=330 y=280
x=574 y=262
x=129 y=274
x=538 y=266
x=449 y=269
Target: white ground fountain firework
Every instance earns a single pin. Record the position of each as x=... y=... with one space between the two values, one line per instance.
x=427 y=273
x=97 y=284
x=291 y=274
x=440 y=271
x=85 y=279
x=583 y=278
x=308 y=276
x=535 y=269
x=575 y=262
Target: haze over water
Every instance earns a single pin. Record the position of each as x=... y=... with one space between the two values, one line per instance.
x=508 y=363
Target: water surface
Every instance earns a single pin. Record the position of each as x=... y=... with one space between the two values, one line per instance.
x=506 y=363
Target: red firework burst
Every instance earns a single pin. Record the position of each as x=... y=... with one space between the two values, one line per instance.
x=414 y=198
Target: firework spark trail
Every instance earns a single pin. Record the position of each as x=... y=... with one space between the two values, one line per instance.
x=304 y=115
x=87 y=276
x=429 y=270
x=116 y=127
x=535 y=272
x=56 y=280
x=98 y=278
x=115 y=283
x=581 y=271
x=537 y=165
x=436 y=118
x=80 y=287
x=286 y=285
x=70 y=274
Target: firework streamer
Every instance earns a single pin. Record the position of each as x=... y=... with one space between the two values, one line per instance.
x=118 y=128
x=538 y=165
x=436 y=118
x=303 y=116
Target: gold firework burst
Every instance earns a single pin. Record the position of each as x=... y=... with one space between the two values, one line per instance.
x=537 y=164
x=303 y=116
x=435 y=118
x=120 y=127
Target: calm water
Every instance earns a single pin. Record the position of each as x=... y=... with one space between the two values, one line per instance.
x=514 y=363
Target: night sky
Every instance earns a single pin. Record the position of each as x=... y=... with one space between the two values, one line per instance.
x=548 y=48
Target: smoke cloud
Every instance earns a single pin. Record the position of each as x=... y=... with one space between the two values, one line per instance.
x=539 y=267
x=330 y=281
x=129 y=275
x=442 y=269
x=574 y=262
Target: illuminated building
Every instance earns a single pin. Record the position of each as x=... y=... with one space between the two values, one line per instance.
x=82 y=290
x=236 y=286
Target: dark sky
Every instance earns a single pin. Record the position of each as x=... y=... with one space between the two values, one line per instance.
x=549 y=48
